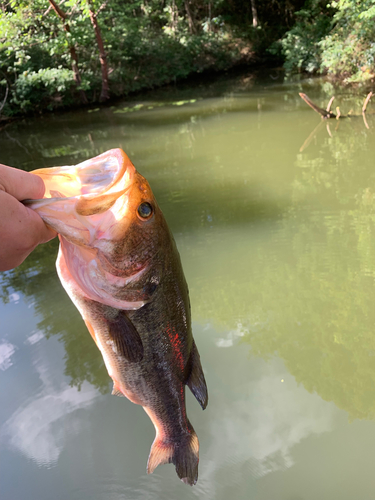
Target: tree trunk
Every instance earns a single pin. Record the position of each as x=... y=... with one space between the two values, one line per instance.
x=72 y=50
x=192 y=28
x=174 y=16
x=209 y=16
x=5 y=98
x=254 y=13
x=104 y=95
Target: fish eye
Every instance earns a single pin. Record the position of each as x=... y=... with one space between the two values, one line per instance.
x=145 y=210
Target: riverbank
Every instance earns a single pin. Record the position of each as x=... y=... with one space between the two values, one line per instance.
x=77 y=54
x=44 y=91
x=244 y=63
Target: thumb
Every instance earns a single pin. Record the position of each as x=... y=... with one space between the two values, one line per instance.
x=19 y=184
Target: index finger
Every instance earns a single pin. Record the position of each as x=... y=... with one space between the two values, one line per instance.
x=19 y=184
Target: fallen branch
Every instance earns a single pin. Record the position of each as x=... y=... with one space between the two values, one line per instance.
x=327 y=113
x=329 y=104
x=369 y=95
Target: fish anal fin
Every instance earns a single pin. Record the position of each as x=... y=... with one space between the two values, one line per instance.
x=126 y=339
x=196 y=381
x=161 y=453
x=184 y=454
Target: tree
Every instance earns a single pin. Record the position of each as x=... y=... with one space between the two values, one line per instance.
x=113 y=48
x=255 y=13
x=104 y=95
x=72 y=50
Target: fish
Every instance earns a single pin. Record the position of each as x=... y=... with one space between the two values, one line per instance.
x=120 y=266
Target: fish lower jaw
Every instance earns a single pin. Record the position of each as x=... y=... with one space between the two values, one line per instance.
x=80 y=269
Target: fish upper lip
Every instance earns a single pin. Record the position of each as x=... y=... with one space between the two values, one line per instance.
x=109 y=172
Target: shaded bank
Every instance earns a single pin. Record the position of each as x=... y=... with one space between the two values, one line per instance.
x=334 y=38
x=88 y=51
x=74 y=53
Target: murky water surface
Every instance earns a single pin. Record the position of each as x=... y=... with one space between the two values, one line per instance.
x=275 y=224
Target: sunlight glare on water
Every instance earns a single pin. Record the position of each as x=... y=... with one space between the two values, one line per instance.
x=272 y=211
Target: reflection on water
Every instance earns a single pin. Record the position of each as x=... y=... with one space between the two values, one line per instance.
x=6 y=351
x=277 y=243
x=36 y=430
x=260 y=415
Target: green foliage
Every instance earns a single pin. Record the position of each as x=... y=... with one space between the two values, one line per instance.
x=337 y=38
x=165 y=58
x=147 y=44
x=349 y=49
x=152 y=43
x=46 y=88
x=300 y=46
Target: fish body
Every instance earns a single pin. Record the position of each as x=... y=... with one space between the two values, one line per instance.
x=120 y=266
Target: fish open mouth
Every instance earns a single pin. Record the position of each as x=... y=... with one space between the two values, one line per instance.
x=103 y=174
x=76 y=195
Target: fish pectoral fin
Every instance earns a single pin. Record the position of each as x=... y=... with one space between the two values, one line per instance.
x=196 y=381
x=117 y=392
x=126 y=339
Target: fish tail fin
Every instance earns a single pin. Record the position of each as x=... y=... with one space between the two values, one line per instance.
x=184 y=454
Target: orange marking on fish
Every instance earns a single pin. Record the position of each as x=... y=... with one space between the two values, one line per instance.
x=176 y=346
x=91 y=330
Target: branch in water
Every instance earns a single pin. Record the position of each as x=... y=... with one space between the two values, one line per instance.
x=325 y=113
x=330 y=103
x=369 y=95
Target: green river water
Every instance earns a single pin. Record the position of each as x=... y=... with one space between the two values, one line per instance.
x=276 y=230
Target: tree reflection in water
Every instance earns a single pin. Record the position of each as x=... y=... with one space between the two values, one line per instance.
x=36 y=278
x=291 y=275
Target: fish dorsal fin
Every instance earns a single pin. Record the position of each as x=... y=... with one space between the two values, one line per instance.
x=126 y=339
x=196 y=381
x=117 y=392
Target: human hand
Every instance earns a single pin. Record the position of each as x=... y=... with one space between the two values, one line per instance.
x=21 y=229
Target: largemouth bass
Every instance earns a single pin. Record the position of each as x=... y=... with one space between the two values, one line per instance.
x=120 y=266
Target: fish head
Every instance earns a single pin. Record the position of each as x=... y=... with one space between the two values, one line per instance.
x=103 y=205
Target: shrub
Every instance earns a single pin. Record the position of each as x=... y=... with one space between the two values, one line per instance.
x=46 y=88
x=300 y=46
x=349 y=49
